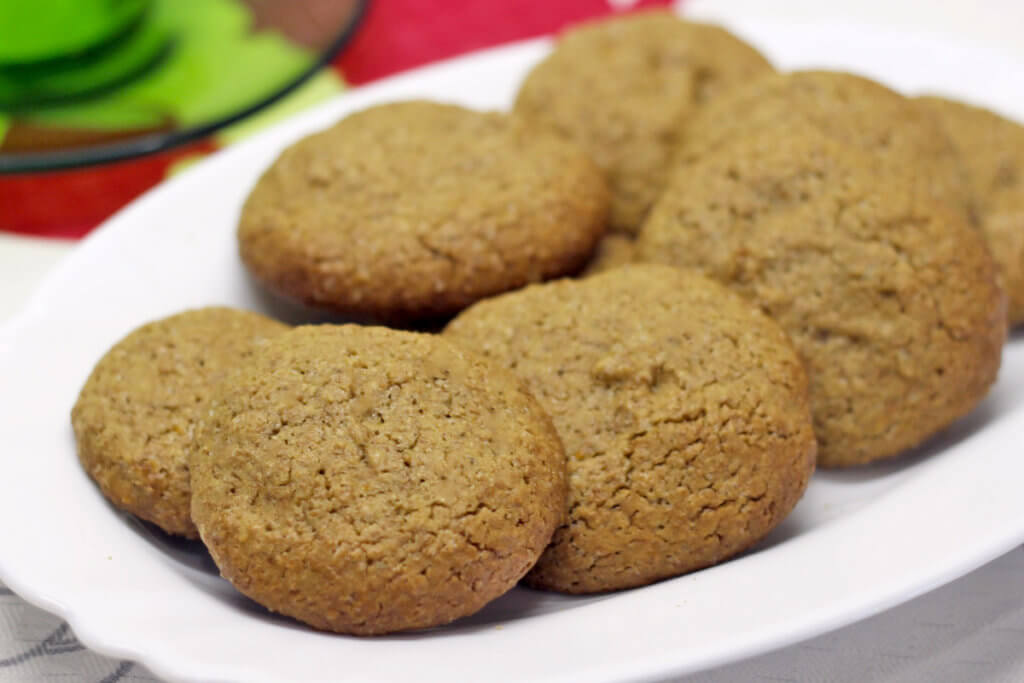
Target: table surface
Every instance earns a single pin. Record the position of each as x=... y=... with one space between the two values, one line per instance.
x=969 y=630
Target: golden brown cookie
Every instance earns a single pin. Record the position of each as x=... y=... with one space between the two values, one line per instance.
x=887 y=127
x=612 y=251
x=366 y=480
x=414 y=210
x=683 y=410
x=891 y=298
x=135 y=418
x=992 y=150
x=622 y=87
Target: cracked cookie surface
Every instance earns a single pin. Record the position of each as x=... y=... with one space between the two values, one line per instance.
x=136 y=415
x=890 y=129
x=992 y=150
x=366 y=480
x=414 y=210
x=891 y=299
x=682 y=408
x=622 y=87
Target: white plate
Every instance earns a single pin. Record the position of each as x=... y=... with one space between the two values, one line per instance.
x=859 y=541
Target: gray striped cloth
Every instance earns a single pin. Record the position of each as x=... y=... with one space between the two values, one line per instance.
x=37 y=646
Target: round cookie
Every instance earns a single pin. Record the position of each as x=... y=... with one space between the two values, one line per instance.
x=414 y=210
x=891 y=299
x=366 y=480
x=890 y=129
x=621 y=88
x=136 y=415
x=992 y=150
x=682 y=408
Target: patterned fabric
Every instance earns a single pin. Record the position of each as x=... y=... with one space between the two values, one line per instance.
x=36 y=646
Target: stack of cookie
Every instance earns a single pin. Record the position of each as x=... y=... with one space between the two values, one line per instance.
x=772 y=272
x=840 y=208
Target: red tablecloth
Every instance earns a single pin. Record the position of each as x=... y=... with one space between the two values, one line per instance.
x=395 y=35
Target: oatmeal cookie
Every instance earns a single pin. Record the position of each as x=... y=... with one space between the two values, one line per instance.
x=892 y=133
x=892 y=299
x=366 y=480
x=413 y=210
x=992 y=150
x=136 y=416
x=683 y=410
x=622 y=87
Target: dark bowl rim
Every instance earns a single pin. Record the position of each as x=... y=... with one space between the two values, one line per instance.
x=150 y=143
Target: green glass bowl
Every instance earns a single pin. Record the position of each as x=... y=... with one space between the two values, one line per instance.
x=33 y=31
x=157 y=74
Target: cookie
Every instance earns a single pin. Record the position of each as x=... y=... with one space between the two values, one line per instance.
x=414 y=210
x=612 y=251
x=891 y=298
x=890 y=129
x=992 y=150
x=683 y=411
x=621 y=88
x=366 y=480
x=136 y=416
